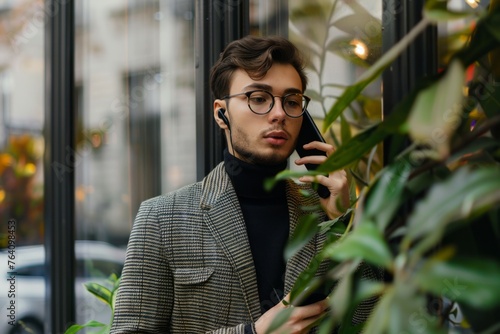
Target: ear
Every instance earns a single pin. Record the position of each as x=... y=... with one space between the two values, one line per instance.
x=220 y=104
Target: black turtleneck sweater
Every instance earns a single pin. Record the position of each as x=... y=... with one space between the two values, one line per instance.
x=267 y=223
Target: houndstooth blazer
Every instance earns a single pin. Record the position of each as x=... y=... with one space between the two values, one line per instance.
x=189 y=268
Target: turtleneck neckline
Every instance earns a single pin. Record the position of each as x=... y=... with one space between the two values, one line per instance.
x=248 y=179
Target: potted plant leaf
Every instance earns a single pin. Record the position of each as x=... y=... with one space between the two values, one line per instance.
x=430 y=218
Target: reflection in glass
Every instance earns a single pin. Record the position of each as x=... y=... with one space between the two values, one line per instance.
x=136 y=106
x=21 y=121
x=21 y=165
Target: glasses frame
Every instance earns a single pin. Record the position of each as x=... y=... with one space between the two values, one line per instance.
x=282 y=98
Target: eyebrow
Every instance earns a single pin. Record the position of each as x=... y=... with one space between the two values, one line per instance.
x=270 y=88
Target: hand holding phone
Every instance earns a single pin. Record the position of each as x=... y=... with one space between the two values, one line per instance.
x=308 y=133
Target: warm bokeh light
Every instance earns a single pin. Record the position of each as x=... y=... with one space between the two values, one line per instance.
x=80 y=194
x=29 y=169
x=360 y=48
x=82 y=191
x=473 y=3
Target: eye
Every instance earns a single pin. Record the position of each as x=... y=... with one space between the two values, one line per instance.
x=258 y=98
x=293 y=101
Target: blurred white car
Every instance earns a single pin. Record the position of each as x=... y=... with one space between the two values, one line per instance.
x=95 y=261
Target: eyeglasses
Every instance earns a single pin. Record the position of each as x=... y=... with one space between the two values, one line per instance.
x=261 y=102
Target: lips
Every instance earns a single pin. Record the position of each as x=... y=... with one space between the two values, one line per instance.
x=276 y=137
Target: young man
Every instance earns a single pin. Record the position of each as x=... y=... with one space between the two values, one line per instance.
x=209 y=257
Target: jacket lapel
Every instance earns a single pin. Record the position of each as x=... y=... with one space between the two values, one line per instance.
x=223 y=216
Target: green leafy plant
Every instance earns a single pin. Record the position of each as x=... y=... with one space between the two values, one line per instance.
x=430 y=218
x=107 y=296
x=314 y=27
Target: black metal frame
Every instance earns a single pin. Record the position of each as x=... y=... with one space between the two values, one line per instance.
x=60 y=161
x=420 y=60
x=218 y=23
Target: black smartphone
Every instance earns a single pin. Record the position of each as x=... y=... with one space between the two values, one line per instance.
x=318 y=294
x=309 y=132
x=313 y=298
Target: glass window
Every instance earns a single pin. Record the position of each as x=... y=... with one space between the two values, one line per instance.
x=135 y=101
x=21 y=162
x=96 y=268
x=33 y=270
x=21 y=121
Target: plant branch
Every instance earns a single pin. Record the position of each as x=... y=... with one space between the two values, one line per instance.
x=478 y=131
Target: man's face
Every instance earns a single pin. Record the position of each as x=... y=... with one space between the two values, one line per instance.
x=261 y=139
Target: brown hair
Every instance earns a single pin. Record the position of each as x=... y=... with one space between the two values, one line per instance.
x=255 y=55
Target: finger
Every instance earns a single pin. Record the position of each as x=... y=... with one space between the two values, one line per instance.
x=311 y=310
x=325 y=147
x=311 y=159
x=338 y=179
x=312 y=321
x=339 y=174
x=314 y=179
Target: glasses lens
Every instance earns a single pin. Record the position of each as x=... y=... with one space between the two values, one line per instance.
x=260 y=102
x=294 y=104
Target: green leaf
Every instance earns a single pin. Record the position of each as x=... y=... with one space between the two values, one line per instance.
x=435 y=5
x=354 y=149
x=91 y=324
x=362 y=290
x=287 y=174
x=352 y=92
x=364 y=242
x=314 y=16
x=471 y=281
x=484 y=39
x=280 y=319
x=494 y=217
x=386 y=193
x=488 y=94
x=314 y=95
x=342 y=297
x=363 y=142
x=347 y=97
x=350 y=24
x=336 y=226
x=345 y=130
x=492 y=21
x=479 y=144
x=306 y=229
x=401 y=309
x=349 y=328
x=465 y=193
x=436 y=112
x=327 y=326
x=378 y=322
x=437 y=12
x=101 y=292
x=305 y=278
x=366 y=289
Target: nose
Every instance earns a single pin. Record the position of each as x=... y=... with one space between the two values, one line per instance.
x=277 y=113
